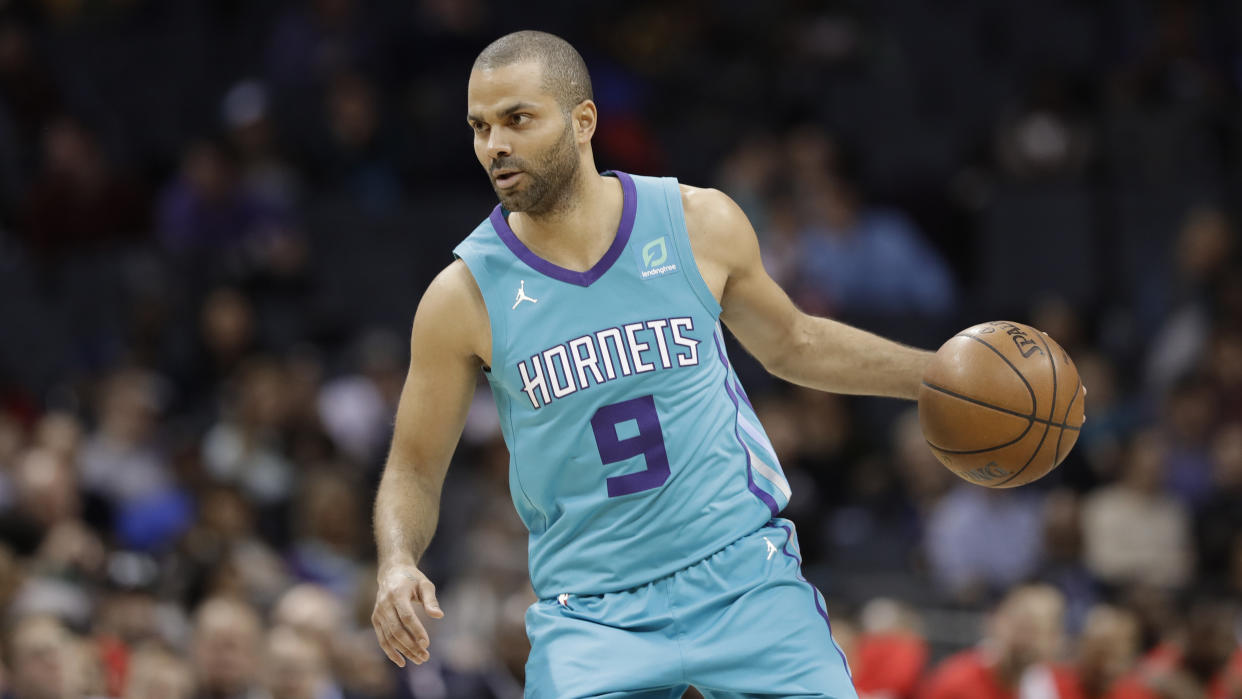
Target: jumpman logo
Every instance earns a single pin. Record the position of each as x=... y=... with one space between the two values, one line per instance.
x=771 y=548
x=521 y=296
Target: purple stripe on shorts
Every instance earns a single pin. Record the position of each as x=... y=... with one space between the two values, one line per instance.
x=814 y=595
x=629 y=209
x=750 y=479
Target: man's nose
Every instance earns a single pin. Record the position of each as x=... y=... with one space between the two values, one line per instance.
x=497 y=144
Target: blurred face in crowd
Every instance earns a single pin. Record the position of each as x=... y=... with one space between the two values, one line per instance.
x=39 y=652
x=312 y=611
x=353 y=112
x=1209 y=640
x=1029 y=626
x=127 y=409
x=47 y=487
x=1108 y=646
x=1227 y=457
x=227 y=322
x=1204 y=243
x=523 y=137
x=227 y=640
x=155 y=674
x=296 y=667
x=1144 y=467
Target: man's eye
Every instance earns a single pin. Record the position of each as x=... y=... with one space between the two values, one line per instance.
x=520 y=118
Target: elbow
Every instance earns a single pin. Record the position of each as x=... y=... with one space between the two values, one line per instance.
x=788 y=355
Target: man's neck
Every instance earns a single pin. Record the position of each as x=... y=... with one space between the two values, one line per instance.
x=580 y=229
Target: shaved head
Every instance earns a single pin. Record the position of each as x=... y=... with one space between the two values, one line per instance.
x=564 y=72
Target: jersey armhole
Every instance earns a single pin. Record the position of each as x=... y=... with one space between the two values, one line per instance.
x=681 y=236
x=462 y=252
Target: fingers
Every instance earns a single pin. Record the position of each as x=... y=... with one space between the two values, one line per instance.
x=398 y=645
x=427 y=594
x=411 y=626
x=386 y=645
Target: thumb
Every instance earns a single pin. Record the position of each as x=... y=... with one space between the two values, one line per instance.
x=427 y=594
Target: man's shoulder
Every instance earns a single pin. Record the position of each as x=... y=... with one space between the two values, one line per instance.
x=711 y=215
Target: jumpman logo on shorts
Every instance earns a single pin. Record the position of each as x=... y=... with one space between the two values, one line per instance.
x=771 y=547
x=521 y=295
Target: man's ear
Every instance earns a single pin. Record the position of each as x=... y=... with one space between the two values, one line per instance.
x=584 y=117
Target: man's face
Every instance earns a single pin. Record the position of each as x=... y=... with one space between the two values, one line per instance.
x=522 y=137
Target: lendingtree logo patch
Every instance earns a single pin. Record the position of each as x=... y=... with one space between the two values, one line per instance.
x=655 y=257
x=655 y=253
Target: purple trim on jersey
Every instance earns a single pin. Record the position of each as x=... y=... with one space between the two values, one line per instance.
x=750 y=479
x=628 y=210
x=815 y=596
x=741 y=392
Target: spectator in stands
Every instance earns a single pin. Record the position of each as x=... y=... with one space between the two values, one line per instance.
x=37 y=654
x=46 y=525
x=328 y=514
x=1044 y=136
x=1114 y=417
x=262 y=170
x=966 y=560
x=1133 y=531
x=356 y=408
x=1181 y=321
x=1201 y=660
x=890 y=654
x=865 y=260
x=1218 y=523
x=1062 y=565
x=1024 y=637
x=1190 y=416
x=227 y=650
x=245 y=448
x=79 y=202
x=313 y=612
x=225 y=554
x=120 y=461
x=355 y=155
x=206 y=210
x=296 y=668
x=155 y=673
x=1106 y=650
x=1224 y=367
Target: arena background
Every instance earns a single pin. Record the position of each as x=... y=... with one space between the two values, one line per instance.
x=217 y=218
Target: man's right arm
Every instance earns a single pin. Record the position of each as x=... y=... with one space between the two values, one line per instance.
x=448 y=343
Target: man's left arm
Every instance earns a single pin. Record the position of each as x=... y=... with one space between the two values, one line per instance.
x=803 y=349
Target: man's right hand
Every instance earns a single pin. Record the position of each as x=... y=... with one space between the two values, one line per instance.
x=397 y=626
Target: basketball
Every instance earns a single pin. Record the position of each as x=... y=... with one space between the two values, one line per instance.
x=1001 y=404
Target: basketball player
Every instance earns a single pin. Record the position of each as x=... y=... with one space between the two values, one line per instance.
x=591 y=303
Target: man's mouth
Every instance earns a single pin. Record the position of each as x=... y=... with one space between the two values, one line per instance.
x=506 y=178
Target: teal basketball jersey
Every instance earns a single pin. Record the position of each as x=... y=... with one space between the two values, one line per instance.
x=634 y=451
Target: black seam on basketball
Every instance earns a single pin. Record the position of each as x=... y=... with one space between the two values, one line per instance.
x=997 y=408
x=1011 y=366
x=1047 y=425
x=1029 y=423
x=1065 y=418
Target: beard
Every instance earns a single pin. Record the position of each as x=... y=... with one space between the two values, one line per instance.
x=549 y=178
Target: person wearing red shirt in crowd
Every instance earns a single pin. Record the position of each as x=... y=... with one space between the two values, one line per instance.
x=890 y=655
x=1203 y=662
x=1024 y=636
x=1107 y=650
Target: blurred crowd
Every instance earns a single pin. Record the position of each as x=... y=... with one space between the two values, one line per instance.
x=216 y=219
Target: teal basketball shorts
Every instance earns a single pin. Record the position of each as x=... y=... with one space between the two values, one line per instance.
x=741 y=623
